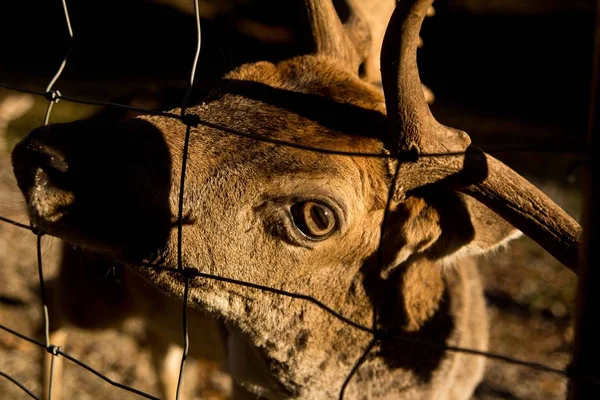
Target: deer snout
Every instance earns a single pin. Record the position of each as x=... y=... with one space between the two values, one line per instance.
x=100 y=185
x=42 y=173
x=33 y=161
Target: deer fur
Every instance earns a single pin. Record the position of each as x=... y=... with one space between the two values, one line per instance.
x=313 y=351
x=419 y=276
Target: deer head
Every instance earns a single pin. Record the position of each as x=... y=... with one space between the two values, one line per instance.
x=307 y=222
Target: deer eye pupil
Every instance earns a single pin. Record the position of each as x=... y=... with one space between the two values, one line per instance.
x=320 y=217
x=313 y=219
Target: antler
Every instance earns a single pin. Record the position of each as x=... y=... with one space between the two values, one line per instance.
x=413 y=129
x=349 y=42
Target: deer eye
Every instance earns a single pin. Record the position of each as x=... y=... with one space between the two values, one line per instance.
x=315 y=220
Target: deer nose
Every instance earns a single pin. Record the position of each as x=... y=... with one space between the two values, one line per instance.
x=36 y=164
x=51 y=166
x=49 y=159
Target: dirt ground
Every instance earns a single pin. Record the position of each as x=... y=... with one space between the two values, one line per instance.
x=530 y=302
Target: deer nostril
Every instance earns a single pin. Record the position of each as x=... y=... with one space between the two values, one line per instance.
x=50 y=159
x=38 y=164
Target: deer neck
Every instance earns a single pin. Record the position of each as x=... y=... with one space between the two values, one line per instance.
x=325 y=349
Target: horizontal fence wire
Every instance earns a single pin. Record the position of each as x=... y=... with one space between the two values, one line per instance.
x=58 y=351
x=190 y=273
x=19 y=384
x=561 y=148
x=15 y=223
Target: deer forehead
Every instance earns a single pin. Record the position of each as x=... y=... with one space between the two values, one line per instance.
x=317 y=75
x=308 y=101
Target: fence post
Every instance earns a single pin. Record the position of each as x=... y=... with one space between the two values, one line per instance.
x=586 y=349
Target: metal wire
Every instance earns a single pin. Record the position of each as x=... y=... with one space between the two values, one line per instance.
x=20 y=385
x=356 y=366
x=49 y=347
x=64 y=61
x=186 y=145
x=50 y=384
x=107 y=379
x=15 y=223
x=190 y=273
x=384 y=220
x=186 y=339
x=184 y=155
x=560 y=148
x=267 y=289
x=58 y=351
x=42 y=289
x=52 y=96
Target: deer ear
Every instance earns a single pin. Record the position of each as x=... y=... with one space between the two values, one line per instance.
x=442 y=226
x=412 y=227
x=421 y=232
x=492 y=232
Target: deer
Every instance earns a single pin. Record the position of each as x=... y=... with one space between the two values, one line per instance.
x=383 y=224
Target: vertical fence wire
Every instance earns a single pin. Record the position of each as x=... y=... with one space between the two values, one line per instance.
x=380 y=262
x=51 y=96
x=356 y=366
x=186 y=339
x=188 y=121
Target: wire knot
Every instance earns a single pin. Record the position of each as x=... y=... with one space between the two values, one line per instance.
x=52 y=96
x=36 y=230
x=190 y=272
x=190 y=120
x=381 y=334
x=411 y=155
x=53 y=349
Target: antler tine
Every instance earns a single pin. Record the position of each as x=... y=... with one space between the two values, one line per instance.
x=330 y=36
x=411 y=124
x=452 y=162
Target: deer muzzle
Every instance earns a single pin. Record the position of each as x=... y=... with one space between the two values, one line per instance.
x=103 y=186
x=42 y=173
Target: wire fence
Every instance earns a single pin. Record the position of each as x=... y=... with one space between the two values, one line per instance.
x=189 y=273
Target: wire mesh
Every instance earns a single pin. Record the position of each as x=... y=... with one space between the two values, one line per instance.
x=189 y=273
